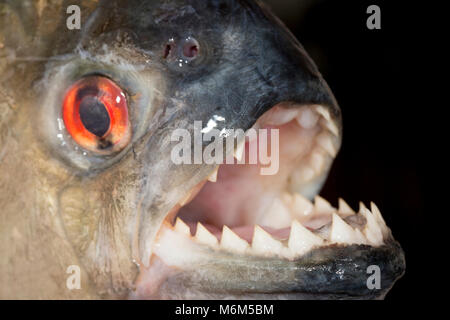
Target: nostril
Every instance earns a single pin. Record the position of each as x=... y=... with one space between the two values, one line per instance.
x=167 y=50
x=190 y=48
x=190 y=51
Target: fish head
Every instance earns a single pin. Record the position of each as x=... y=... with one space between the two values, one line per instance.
x=111 y=136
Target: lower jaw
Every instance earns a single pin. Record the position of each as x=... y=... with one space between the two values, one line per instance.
x=187 y=262
x=332 y=272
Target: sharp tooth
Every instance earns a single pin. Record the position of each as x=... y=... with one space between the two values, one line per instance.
x=341 y=232
x=379 y=218
x=326 y=142
x=344 y=209
x=232 y=242
x=264 y=243
x=322 y=206
x=182 y=227
x=330 y=125
x=249 y=136
x=204 y=236
x=302 y=206
x=239 y=152
x=281 y=116
x=307 y=118
x=317 y=161
x=301 y=240
x=360 y=236
x=333 y=128
x=372 y=230
x=323 y=112
x=277 y=216
x=362 y=207
x=213 y=176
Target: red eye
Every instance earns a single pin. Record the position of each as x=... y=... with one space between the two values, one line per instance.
x=95 y=113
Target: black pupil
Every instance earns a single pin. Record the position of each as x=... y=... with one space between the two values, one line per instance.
x=94 y=116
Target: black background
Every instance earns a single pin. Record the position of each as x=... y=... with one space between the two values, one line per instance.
x=374 y=75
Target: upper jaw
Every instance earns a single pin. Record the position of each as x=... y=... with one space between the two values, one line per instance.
x=308 y=141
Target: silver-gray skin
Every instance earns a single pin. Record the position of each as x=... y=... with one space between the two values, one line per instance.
x=63 y=206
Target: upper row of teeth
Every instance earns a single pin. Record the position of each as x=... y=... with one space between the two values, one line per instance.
x=301 y=240
x=306 y=117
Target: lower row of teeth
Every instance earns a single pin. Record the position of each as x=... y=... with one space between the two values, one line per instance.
x=301 y=240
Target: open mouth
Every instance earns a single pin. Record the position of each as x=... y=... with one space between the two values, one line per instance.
x=239 y=210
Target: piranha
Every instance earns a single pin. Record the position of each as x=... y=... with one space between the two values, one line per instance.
x=88 y=182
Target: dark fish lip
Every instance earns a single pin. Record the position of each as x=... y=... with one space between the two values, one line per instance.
x=333 y=272
x=345 y=270
x=342 y=272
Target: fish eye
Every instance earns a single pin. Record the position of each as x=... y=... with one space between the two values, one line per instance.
x=95 y=114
